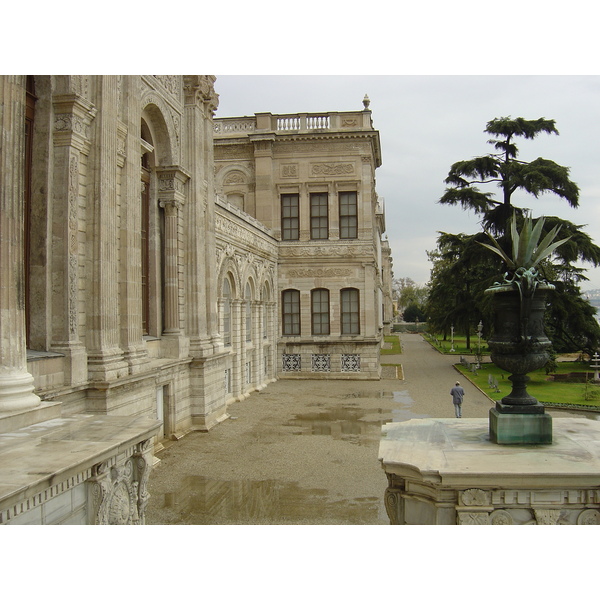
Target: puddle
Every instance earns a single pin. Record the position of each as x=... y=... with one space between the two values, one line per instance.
x=354 y=424
x=203 y=501
x=404 y=413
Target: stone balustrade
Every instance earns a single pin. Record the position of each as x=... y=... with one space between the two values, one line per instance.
x=293 y=123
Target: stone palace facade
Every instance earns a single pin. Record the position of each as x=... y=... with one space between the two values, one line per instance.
x=158 y=264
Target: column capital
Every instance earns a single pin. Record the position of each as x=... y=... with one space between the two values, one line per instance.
x=73 y=116
x=171 y=182
x=199 y=90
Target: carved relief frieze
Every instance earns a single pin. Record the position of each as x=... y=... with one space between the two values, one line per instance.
x=325 y=251
x=320 y=272
x=334 y=169
x=234 y=151
x=171 y=84
x=242 y=235
x=329 y=148
x=349 y=122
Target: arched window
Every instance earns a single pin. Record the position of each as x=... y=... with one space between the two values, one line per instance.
x=290 y=302
x=320 y=311
x=226 y=312
x=349 y=300
x=248 y=298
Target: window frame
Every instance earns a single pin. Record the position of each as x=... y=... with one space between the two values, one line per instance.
x=350 y=318
x=290 y=224
x=319 y=223
x=320 y=311
x=290 y=319
x=348 y=222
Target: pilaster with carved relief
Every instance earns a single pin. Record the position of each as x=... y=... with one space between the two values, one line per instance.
x=73 y=117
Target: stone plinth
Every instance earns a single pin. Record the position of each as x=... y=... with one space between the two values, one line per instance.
x=448 y=472
x=510 y=426
x=84 y=469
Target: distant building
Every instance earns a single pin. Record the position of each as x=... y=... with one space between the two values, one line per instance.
x=310 y=179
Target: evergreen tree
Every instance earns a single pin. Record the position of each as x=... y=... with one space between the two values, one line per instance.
x=571 y=319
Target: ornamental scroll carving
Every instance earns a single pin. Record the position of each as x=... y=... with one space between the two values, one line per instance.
x=331 y=169
x=295 y=273
x=341 y=250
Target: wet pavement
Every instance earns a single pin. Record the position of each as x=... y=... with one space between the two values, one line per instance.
x=304 y=452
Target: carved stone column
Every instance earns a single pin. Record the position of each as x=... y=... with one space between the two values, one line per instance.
x=238 y=334
x=128 y=161
x=16 y=384
x=201 y=294
x=105 y=356
x=171 y=197
x=71 y=139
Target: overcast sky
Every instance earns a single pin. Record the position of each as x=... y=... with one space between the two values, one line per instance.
x=426 y=123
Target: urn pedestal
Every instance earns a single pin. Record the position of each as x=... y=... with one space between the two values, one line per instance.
x=519 y=346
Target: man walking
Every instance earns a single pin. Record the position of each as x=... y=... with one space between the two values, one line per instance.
x=457 y=393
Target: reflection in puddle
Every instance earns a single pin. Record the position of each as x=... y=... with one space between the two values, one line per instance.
x=354 y=424
x=202 y=501
x=404 y=414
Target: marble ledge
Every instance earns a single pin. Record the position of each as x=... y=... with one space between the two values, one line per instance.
x=40 y=456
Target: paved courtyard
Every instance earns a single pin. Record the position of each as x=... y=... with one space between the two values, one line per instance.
x=304 y=452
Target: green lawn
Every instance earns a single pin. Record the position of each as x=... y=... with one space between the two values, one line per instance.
x=395 y=341
x=460 y=345
x=546 y=391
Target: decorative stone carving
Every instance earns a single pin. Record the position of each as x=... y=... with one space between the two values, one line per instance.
x=393 y=506
x=547 y=517
x=501 y=517
x=199 y=89
x=473 y=518
x=589 y=517
x=118 y=488
x=235 y=177
x=289 y=170
x=331 y=169
x=324 y=272
x=344 y=250
x=475 y=497
x=171 y=83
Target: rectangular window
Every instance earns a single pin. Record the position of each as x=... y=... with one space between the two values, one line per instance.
x=348 y=216
x=291 y=312
x=290 y=216
x=319 y=217
x=320 y=312
x=350 y=312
